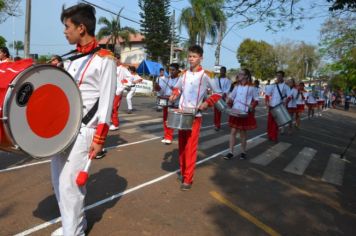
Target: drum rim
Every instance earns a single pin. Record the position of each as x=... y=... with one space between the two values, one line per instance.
x=7 y=100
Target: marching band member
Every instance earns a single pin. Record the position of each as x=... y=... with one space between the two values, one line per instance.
x=300 y=104
x=94 y=72
x=4 y=55
x=164 y=88
x=292 y=101
x=224 y=84
x=161 y=76
x=275 y=95
x=311 y=104
x=243 y=98
x=192 y=86
x=320 y=102
x=133 y=80
x=123 y=75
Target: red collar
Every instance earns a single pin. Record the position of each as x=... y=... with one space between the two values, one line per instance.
x=199 y=68
x=88 y=47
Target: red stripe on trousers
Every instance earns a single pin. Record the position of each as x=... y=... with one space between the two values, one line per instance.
x=188 y=145
x=217 y=118
x=115 y=110
x=272 y=127
x=168 y=132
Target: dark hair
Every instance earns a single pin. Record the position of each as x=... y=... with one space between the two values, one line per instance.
x=196 y=49
x=132 y=69
x=257 y=83
x=281 y=72
x=5 y=50
x=174 y=65
x=17 y=58
x=81 y=14
x=56 y=57
x=223 y=68
x=161 y=69
x=118 y=56
x=248 y=73
x=301 y=83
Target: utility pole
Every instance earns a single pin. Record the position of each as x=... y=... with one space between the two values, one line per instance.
x=27 y=29
x=173 y=23
x=218 y=46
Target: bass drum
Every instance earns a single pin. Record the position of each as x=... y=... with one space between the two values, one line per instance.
x=41 y=109
x=281 y=115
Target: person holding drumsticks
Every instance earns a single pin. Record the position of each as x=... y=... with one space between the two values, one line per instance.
x=133 y=80
x=164 y=88
x=243 y=99
x=94 y=70
x=275 y=95
x=292 y=101
x=192 y=86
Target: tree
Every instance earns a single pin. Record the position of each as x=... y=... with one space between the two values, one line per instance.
x=18 y=46
x=156 y=27
x=2 y=41
x=113 y=30
x=9 y=8
x=258 y=57
x=202 y=19
x=348 y=5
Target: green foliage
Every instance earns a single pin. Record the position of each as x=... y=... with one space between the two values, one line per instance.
x=342 y=5
x=113 y=30
x=18 y=46
x=9 y=8
x=202 y=20
x=2 y=41
x=42 y=59
x=156 y=27
x=258 y=57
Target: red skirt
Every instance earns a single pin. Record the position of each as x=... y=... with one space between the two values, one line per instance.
x=247 y=123
x=300 y=107
x=292 y=109
x=320 y=103
x=312 y=105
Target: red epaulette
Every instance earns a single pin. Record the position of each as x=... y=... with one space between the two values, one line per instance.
x=105 y=53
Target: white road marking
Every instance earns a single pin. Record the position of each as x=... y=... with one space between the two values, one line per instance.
x=301 y=161
x=270 y=154
x=334 y=171
x=113 y=197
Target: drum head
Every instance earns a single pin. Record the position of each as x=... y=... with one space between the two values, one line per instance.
x=44 y=110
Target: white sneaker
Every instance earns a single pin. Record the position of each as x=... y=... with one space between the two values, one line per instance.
x=113 y=127
x=163 y=141
x=58 y=232
x=168 y=141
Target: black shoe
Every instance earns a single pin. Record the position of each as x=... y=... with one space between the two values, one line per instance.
x=217 y=129
x=185 y=186
x=180 y=178
x=228 y=156
x=101 y=154
x=243 y=156
x=129 y=111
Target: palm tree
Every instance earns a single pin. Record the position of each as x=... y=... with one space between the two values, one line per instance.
x=202 y=19
x=18 y=46
x=113 y=30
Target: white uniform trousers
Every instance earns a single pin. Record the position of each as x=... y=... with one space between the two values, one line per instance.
x=65 y=168
x=129 y=96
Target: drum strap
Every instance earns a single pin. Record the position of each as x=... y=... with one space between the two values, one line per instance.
x=279 y=91
x=90 y=113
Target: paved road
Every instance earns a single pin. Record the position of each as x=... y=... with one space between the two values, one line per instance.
x=303 y=185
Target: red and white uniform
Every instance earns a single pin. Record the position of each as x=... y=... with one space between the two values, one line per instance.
x=292 y=100
x=6 y=60
x=193 y=89
x=96 y=78
x=274 y=98
x=311 y=101
x=243 y=97
x=300 y=100
x=224 y=85
x=166 y=85
x=133 y=79
x=122 y=77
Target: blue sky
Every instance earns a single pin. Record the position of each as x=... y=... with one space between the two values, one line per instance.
x=47 y=31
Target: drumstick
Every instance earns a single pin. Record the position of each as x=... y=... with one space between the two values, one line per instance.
x=83 y=175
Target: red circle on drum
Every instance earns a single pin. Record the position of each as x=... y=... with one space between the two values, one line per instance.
x=47 y=111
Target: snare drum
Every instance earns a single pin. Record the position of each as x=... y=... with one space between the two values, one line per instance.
x=40 y=109
x=178 y=119
x=221 y=105
x=238 y=113
x=281 y=115
x=162 y=101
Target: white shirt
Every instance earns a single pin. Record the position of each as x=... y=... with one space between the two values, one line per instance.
x=293 y=93
x=193 y=87
x=122 y=73
x=300 y=100
x=310 y=98
x=96 y=78
x=166 y=84
x=242 y=97
x=133 y=79
x=273 y=93
x=224 y=84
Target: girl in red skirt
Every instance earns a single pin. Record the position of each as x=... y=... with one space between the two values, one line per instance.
x=311 y=104
x=300 y=104
x=243 y=100
x=292 y=101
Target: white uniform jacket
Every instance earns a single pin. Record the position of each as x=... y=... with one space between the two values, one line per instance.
x=122 y=76
x=292 y=95
x=242 y=96
x=223 y=84
x=273 y=94
x=95 y=75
